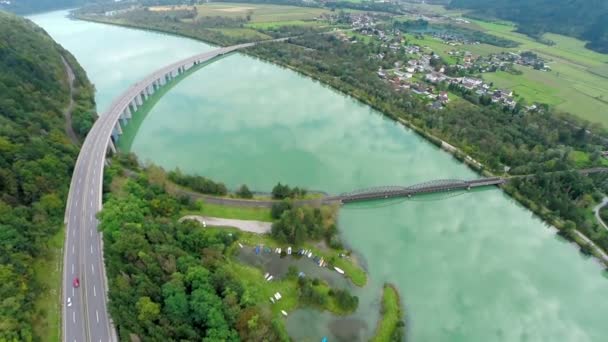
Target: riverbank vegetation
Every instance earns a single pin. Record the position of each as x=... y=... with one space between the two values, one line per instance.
x=391 y=324
x=173 y=280
x=565 y=200
x=36 y=164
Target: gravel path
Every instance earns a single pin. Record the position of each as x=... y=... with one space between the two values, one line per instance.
x=596 y=210
x=244 y=225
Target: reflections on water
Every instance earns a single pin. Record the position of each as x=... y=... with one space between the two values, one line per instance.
x=474 y=267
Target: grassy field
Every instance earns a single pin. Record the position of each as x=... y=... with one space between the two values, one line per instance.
x=353 y=271
x=533 y=85
x=47 y=268
x=577 y=84
x=245 y=33
x=390 y=314
x=259 y=12
x=241 y=213
x=274 y=24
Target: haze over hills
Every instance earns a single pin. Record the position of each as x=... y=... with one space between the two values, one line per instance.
x=585 y=19
x=36 y=162
x=32 y=6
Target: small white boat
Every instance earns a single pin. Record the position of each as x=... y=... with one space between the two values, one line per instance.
x=240 y=245
x=288 y=250
x=284 y=313
x=339 y=270
x=309 y=254
x=272 y=300
x=269 y=278
x=266 y=276
x=277 y=296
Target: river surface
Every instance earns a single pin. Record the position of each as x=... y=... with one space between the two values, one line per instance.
x=474 y=267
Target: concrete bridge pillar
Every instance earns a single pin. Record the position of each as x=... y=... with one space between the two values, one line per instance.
x=138 y=100
x=117 y=128
x=127 y=112
x=133 y=106
x=112 y=147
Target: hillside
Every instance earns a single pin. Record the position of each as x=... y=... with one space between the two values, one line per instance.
x=36 y=163
x=33 y=6
x=585 y=19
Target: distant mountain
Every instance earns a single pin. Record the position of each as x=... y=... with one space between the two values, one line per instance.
x=585 y=19
x=33 y=6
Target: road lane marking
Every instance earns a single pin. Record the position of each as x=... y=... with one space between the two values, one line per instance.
x=74 y=316
x=97 y=315
x=74 y=217
x=72 y=268
x=72 y=292
x=91 y=232
x=72 y=249
x=73 y=232
x=91 y=249
x=92 y=269
x=94 y=291
x=91 y=204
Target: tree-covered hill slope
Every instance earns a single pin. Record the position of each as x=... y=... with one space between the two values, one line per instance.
x=585 y=19
x=36 y=161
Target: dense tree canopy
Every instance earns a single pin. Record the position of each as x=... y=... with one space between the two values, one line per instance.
x=36 y=161
x=168 y=280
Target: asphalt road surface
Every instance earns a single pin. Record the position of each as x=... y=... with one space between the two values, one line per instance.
x=86 y=317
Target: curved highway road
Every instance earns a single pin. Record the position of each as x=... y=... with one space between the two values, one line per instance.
x=85 y=318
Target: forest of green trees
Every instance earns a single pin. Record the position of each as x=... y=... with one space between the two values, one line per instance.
x=168 y=280
x=585 y=19
x=36 y=161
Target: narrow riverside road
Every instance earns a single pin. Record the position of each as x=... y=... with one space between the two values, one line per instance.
x=69 y=130
x=597 y=209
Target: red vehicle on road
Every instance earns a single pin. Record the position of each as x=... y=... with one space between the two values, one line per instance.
x=76 y=282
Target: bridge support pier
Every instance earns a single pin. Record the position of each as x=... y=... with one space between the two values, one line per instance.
x=132 y=106
x=127 y=113
x=111 y=147
x=117 y=129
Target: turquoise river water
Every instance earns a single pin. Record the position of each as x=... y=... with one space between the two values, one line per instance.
x=474 y=267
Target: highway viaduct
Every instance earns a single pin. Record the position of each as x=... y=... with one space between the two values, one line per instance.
x=86 y=318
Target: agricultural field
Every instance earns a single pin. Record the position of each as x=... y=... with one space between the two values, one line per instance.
x=260 y=13
x=578 y=82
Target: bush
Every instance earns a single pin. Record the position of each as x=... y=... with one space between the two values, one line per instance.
x=244 y=192
x=278 y=208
